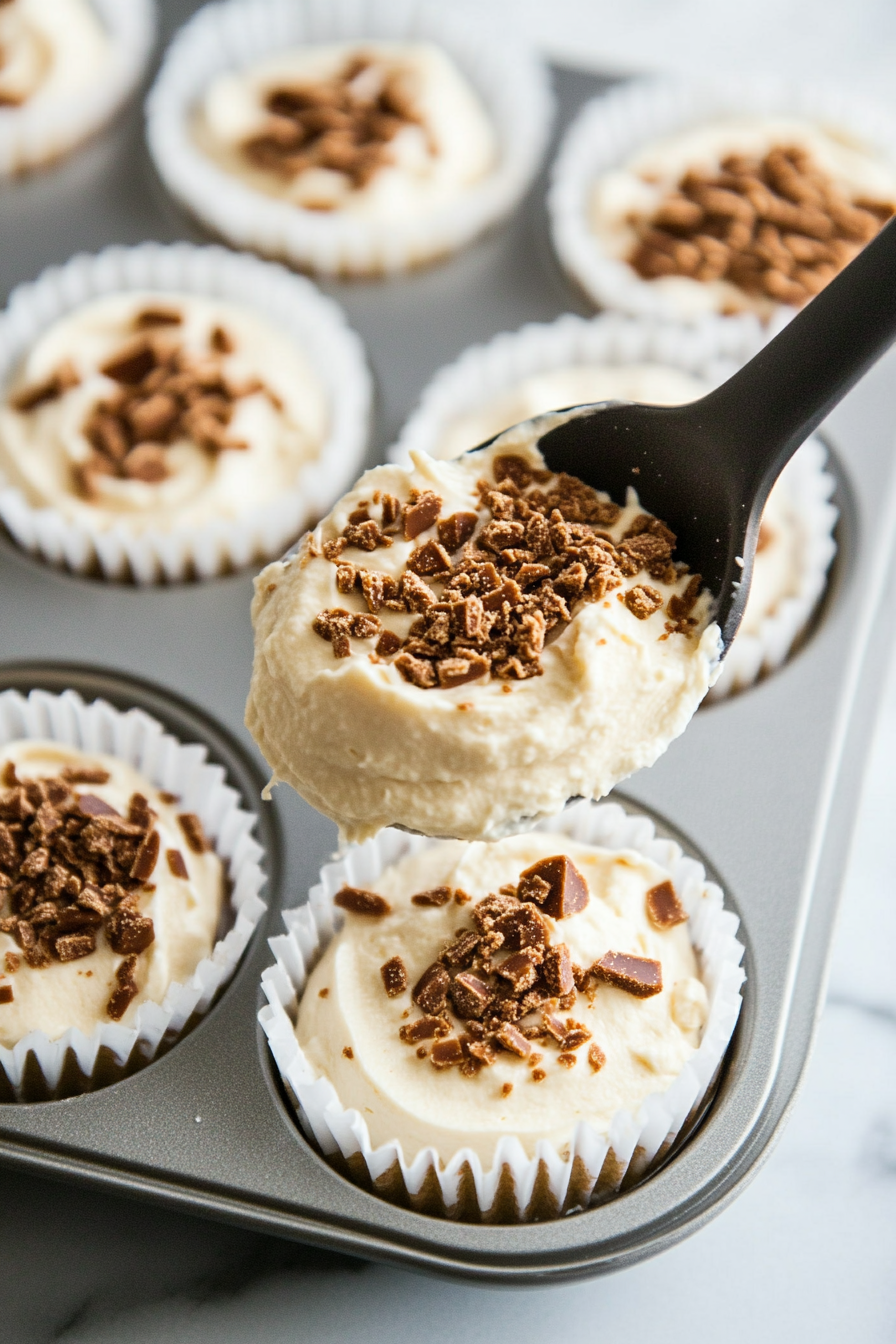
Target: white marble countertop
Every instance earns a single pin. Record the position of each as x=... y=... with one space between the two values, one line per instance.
x=808 y=1250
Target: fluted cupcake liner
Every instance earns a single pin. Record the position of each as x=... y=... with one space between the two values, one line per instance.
x=42 y=129
x=710 y=350
x=516 y=1187
x=508 y=76
x=610 y=129
x=40 y=1069
x=292 y=303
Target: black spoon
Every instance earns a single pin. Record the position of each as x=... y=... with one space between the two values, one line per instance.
x=706 y=468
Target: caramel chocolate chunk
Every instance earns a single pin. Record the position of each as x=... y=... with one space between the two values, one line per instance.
x=664 y=909
x=395 y=977
x=458 y=671
x=445 y=1054
x=470 y=995
x=125 y=991
x=596 y=1058
x=423 y=1029
x=421 y=514
x=430 y=991
x=576 y=1036
x=61 y=381
x=91 y=806
x=521 y=928
x=146 y=858
x=642 y=601
x=510 y=467
x=158 y=317
x=387 y=644
x=567 y=891
x=193 y=832
x=417 y=671
x=84 y=774
x=71 y=946
x=487 y=912
x=176 y=863
x=461 y=952
x=456 y=529
x=520 y=969
x=128 y=931
x=6 y=994
x=358 y=901
x=513 y=1040
x=553 y=1026
x=430 y=558
x=482 y=1052
x=437 y=896
x=557 y=970
x=130 y=366
x=640 y=976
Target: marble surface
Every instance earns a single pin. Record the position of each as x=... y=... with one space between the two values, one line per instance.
x=805 y=1253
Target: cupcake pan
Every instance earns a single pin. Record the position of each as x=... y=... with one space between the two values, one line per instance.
x=762 y=788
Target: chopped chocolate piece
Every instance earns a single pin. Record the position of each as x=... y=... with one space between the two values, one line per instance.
x=84 y=774
x=158 y=317
x=6 y=994
x=147 y=855
x=130 y=366
x=642 y=601
x=345 y=580
x=568 y=1061
x=417 y=595
x=71 y=946
x=361 y=514
x=470 y=995
x=513 y=1040
x=128 y=931
x=458 y=671
x=423 y=1029
x=193 y=832
x=91 y=806
x=387 y=644
x=557 y=969
x=461 y=952
x=680 y=606
x=520 y=969
x=509 y=467
x=461 y=897
x=417 y=671
x=395 y=977
x=126 y=989
x=430 y=558
x=176 y=863
x=421 y=1052
x=430 y=991
x=364 y=627
x=445 y=1054
x=576 y=1036
x=483 y=1052
x=12 y=961
x=359 y=901
x=538 y=1075
x=421 y=514
x=391 y=509
x=437 y=896
x=567 y=890
x=348 y=1052
x=664 y=909
x=596 y=1058
x=366 y=536
x=456 y=529
x=522 y=928
x=640 y=976
x=553 y=1026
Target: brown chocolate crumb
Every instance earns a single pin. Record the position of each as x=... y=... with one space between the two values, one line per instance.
x=221 y=341
x=193 y=832
x=83 y=774
x=176 y=863
x=596 y=1058
x=6 y=994
x=421 y=514
x=323 y=993
x=387 y=644
x=395 y=977
x=157 y=317
x=567 y=1060
x=126 y=989
x=170 y=798
x=520 y=969
x=556 y=885
x=506 y=1089
x=128 y=931
x=430 y=991
x=471 y=995
x=358 y=901
x=642 y=600
x=437 y=896
x=641 y=976
x=421 y=1052
x=576 y=1035
x=348 y=1052
x=664 y=909
x=456 y=530
x=557 y=969
x=12 y=962
x=538 y=1075
x=423 y=1029
x=445 y=1054
x=513 y=1040
x=461 y=897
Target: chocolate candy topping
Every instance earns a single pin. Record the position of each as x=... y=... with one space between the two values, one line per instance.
x=640 y=976
x=556 y=885
x=360 y=902
x=664 y=909
x=395 y=977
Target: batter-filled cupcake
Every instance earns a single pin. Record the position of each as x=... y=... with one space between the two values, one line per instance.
x=543 y=367
x=128 y=892
x=683 y=200
x=175 y=429
x=463 y=645
x=65 y=66
x=358 y=140
x=498 y=1007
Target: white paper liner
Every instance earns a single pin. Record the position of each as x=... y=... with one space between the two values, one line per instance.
x=40 y=131
x=318 y=326
x=140 y=740
x=611 y=128
x=599 y=1164
x=507 y=74
x=711 y=350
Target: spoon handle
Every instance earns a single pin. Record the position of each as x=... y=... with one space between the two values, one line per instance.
x=774 y=403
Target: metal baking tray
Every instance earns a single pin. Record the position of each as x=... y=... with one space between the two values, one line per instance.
x=763 y=786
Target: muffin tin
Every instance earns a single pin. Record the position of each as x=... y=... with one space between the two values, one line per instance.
x=764 y=785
